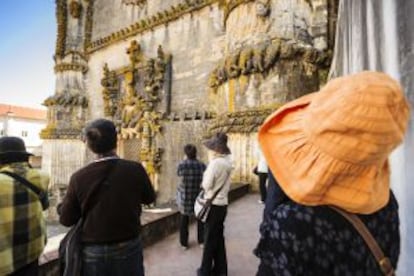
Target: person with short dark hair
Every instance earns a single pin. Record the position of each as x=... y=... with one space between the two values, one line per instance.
x=116 y=188
x=191 y=172
x=190 y=151
x=22 y=224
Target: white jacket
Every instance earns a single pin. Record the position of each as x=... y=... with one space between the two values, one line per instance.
x=218 y=173
x=261 y=165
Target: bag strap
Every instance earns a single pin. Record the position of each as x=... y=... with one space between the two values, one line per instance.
x=29 y=185
x=90 y=205
x=383 y=261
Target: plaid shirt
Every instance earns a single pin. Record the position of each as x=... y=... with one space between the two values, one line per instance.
x=22 y=225
x=191 y=172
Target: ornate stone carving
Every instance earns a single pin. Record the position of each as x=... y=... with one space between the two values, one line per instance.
x=77 y=56
x=245 y=61
x=261 y=59
x=88 y=24
x=177 y=11
x=61 y=18
x=135 y=109
x=110 y=92
x=154 y=75
x=61 y=67
x=160 y=18
x=134 y=53
x=52 y=132
x=246 y=121
x=68 y=107
x=229 y=5
x=134 y=2
x=132 y=108
x=262 y=8
x=75 y=9
x=66 y=114
x=67 y=99
x=147 y=128
x=191 y=116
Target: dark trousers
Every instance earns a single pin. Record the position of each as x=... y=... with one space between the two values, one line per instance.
x=185 y=220
x=31 y=269
x=264 y=270
x=262 y=185
x=214 y=260
x=117 y=259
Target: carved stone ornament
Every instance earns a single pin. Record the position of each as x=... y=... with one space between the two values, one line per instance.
x=61 y=18
x=111 y=90
x=66 y=115
x=260 y=59
x=229 y=5
x=78 y=67
x=131 y=97
x=160 y=18
x=75 y=9
x=67 y=99
x=262 y=8
x=134 y=2
x=247 y=121
x=52 y=132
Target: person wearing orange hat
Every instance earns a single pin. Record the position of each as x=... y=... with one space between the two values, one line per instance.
x=329 y=153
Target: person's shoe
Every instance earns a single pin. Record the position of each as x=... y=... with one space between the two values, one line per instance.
x=260 y=201
x=184 y=247
x=201 y=245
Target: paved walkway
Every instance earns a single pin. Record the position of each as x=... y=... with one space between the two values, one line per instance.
x=166 y=258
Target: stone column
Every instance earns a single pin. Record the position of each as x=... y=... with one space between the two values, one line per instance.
x=63 y=152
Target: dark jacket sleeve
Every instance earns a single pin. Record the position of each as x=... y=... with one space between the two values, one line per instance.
x=70 y=210
x=275 y=195
x=148 y=194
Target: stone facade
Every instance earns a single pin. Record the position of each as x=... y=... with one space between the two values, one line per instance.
x=173 y=72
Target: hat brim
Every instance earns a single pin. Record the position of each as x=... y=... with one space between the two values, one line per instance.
x=306 y=174
x=222 y=149
x=23 y=153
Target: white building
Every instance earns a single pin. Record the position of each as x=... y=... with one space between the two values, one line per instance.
x=23 y=122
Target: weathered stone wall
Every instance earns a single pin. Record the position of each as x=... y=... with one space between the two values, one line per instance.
x=233 y=62
x=195 y=42
x=60 y=159
x=113 y=15
x=176 y=135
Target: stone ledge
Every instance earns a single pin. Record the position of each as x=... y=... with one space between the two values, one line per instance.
x=155 y=226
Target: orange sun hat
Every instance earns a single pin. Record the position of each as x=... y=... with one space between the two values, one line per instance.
x=331 y=147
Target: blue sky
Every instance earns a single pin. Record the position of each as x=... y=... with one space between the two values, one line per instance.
x=27 y=44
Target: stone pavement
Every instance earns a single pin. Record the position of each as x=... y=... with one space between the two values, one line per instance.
x=167 y=258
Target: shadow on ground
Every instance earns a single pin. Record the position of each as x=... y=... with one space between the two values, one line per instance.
x=166 y=258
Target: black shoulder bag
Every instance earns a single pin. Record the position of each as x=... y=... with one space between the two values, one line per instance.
x=70 y=248
x=42 y=195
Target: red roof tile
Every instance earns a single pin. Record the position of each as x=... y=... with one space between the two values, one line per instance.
x=23 y=112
